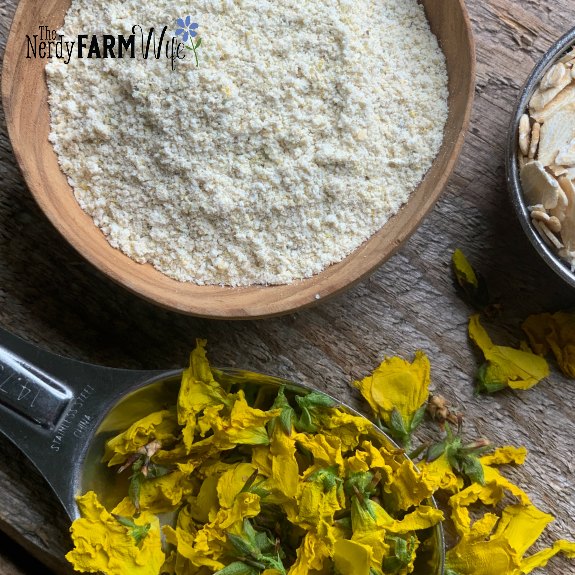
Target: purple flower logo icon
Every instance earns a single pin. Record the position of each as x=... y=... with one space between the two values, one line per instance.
x=187 y=30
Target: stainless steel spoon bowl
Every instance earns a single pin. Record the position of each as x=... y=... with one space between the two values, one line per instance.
x=511 y=163
x=60 y=412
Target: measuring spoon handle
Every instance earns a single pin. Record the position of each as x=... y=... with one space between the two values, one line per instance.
x=50 y=406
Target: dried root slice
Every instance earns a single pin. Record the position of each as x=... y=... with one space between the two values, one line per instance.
x=524 y=134
x=555 y=77
x=557 y=170
x=536 y=207
x=538 y=186
x=548 y=235
x=556 y=133
x=553 y=224
x=540 y=216
x=544 y=96
x=566 y=155
x=564 y=99
x=560 y=209
x=568 y=57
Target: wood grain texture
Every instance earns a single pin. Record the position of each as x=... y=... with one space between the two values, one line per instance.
x=25 y=95
x=15 y=561
x=51 y=296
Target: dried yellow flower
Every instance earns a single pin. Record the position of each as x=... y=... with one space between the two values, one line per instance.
x=555 y=332
x=469 y=282
x=505 y=366
x=464 y=273
x=293 y=488
x=496 y=546
x=397 y=391
x=198 y=390
x=105 y=544
x=161 y=426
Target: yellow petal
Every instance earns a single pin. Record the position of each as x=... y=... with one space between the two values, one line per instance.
x=326 y=450
x=370 y=526
x=367 y=458
x=502 y=553
x=397 y=384
x=464 y=273
x=284 y=469
x=198 y=390
x=437 y=474
x=314 y=506
x=483 y=558
x=351 y=558
x=232 y=482
x=160 y=494
x=421 y=518
x=103 y=545
x=555 y=332
x=521 y=526
x=346 y=427
x=541 y=558
x=406 y=486
x=193 y=554
x=161 y=425
x=205 y=505
x=244 y=425
x=505 y=455
x=538 y=327
x=515 y=368
x=311 y=554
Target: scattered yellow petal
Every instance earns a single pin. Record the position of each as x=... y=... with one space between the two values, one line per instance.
x=506 y=367
x=541 y=558
x=438 y=474
x=482 y=551
x=505 y=455
x=556 y=333
x=464 y=273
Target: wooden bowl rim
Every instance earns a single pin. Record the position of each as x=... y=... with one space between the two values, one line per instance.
x=270 y=300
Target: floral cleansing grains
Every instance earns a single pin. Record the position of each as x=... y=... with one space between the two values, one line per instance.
x=267 y=151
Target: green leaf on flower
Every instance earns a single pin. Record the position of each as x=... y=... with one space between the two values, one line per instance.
x=471 y=466
x=417 y=418
x=238 y=568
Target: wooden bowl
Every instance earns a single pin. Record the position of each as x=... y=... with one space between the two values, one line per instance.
x=25 y=97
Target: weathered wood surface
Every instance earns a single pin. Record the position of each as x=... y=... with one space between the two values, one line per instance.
x=48 y=295
x=16 y=561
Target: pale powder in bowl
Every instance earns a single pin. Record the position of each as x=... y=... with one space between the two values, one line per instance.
x=305 y=127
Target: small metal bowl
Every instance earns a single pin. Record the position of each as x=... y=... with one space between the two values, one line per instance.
x=548 y=253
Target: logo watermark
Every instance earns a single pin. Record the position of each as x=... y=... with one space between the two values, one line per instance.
x=49 y=44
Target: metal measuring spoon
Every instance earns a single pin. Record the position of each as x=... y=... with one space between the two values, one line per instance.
x=60 y=412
